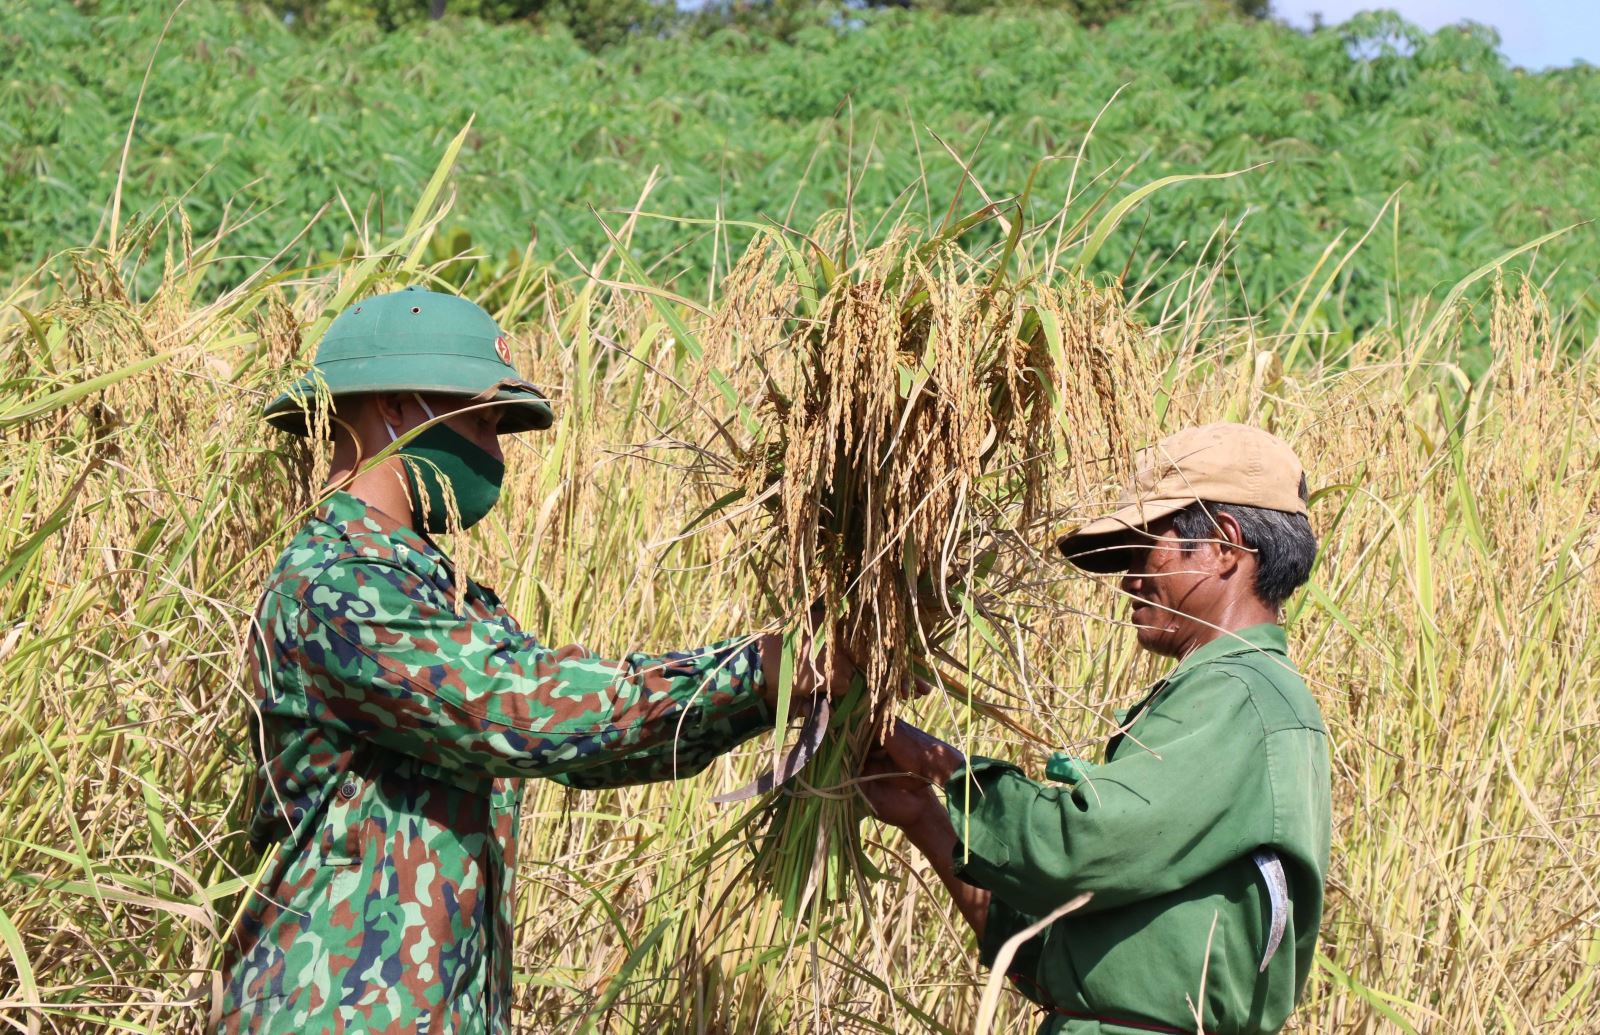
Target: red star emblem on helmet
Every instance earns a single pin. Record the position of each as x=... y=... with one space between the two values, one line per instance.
x=503 y=350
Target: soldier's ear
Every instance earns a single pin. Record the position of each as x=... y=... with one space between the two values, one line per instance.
x=387 y=408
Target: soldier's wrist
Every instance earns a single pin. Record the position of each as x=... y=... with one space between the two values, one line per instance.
x=770 y=648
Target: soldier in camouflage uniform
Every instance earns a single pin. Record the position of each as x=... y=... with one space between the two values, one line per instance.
x=399 y=704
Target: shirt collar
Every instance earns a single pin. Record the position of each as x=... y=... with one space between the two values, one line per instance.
x=1268 y=637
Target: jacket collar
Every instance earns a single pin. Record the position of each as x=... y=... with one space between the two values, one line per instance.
x=378 y=534
x=361 y=522
x=1268 y=637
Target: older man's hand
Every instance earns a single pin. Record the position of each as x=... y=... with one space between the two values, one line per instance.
x=912 y=751
x=907 y=802
x=898 y=785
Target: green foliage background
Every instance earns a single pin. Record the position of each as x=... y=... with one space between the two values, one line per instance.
x=602 y=22
x=244 y=113
x=597 y=23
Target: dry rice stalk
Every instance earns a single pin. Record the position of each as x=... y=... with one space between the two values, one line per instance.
x=928 y=414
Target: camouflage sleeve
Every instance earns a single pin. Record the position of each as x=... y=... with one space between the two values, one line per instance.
x=676 y=759
x=384 y=658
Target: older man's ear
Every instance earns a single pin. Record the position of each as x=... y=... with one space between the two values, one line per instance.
x=1232 y=554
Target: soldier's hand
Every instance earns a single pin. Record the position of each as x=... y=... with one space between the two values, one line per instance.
x=810 y=676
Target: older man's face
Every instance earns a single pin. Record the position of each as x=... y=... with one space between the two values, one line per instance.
x=1174 y=593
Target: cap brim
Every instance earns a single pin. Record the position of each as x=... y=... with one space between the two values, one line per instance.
x=524 y=407
x=1110 y=544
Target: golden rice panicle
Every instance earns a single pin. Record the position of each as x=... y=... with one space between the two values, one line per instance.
x=1105 y=383
x=919 y=417
x=919 y=376
x=757 y=303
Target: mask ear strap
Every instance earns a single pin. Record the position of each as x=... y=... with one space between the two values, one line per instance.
x=425 y=409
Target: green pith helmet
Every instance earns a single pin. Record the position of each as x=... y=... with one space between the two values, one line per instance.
x=415 y=340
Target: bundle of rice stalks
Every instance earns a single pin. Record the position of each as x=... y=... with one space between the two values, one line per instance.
x=923 y=420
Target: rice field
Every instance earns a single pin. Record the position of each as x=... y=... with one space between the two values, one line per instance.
x=1451 y=632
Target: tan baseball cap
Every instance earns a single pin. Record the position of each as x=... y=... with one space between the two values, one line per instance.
x=1218 y=463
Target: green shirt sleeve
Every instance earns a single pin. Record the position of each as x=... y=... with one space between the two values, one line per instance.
x=1000 y=925
x=380 y=655
x=1162 y=813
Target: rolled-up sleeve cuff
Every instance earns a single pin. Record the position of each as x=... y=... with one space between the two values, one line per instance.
x=743 y=709
x=981 y=849
x=752 y=719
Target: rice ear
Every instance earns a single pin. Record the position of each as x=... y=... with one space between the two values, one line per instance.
x=916 y=428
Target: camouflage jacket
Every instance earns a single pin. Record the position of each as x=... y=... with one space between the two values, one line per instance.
x=394 y=719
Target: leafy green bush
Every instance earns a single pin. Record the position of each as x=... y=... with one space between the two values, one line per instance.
x=597 y=23
x=246 y=119
x=1090 y=12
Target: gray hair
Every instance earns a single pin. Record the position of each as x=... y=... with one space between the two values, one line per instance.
x=1283 y=542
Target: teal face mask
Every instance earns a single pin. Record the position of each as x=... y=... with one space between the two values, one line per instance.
x=441 y=464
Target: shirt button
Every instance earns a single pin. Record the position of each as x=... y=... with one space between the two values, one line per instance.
x=347 y=790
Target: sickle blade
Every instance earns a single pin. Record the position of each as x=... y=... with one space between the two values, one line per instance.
x=793 y=760
x=1271 y=868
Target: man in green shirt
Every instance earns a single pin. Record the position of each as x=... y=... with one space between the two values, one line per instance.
x=399 y=705
x=1202 y=839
